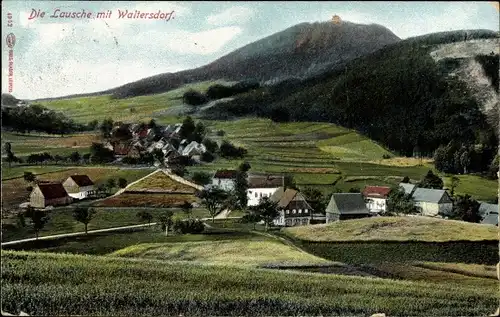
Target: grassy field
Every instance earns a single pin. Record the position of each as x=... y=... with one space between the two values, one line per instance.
x=395 y=229
x=14 y=190
x=228 y=252
x=61 y=221
x=64 y=284
x=476 y=186
x=26 y=144
x=142 y=108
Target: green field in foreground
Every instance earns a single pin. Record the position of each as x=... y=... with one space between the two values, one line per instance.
x=240 y=252
x=62 y=221
x=395 y=229
x=63 y=284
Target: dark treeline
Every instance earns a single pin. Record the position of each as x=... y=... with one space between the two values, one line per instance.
x=218 y=91
x=36 y=118
x=398 y=96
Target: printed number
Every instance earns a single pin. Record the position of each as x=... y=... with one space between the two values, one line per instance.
x=9 y=19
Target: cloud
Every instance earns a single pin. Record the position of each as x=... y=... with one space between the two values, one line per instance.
x=234 y=15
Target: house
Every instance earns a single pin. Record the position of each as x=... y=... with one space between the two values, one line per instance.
x=158 y=145
x=489 y=213
x=376 y=198
x=262 y=186
x=432 y=202
x=121 y=149
x=49 y=194
x=293 y=208
x=225 y=179
x=407 y=187
x=343 y=206
x=194 y=148
x=79 y=186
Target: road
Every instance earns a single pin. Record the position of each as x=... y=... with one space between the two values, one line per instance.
x=82 y=233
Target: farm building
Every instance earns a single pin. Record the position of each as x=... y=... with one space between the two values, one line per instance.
x=489 y=213
x=376 y=197
x=262 y=186
x=49 y=194
x=225 y=179
x=408 y=188
x=293 y=208
x=432 y=202
x=343 y=206
x=194 y=148
x=79 y=186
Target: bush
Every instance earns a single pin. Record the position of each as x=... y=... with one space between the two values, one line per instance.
x=207 y=157
x=194 y=98
x=221 y=133
x=386 y=156
x=211 y=145
x=188 y=226
x=227 y=150
x=201 y=178
x=29 y=188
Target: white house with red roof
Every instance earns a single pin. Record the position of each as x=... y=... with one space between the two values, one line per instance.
x=376 y=198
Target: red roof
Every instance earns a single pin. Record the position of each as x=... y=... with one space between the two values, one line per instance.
x=226 y=174
x=143 y=133
x=376 y=191
x=52 y=190
x=82 y=180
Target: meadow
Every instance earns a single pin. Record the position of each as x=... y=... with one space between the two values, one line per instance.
x=61 y=221
x=14 y=189
x=26 y=144
x=254 y=252
x=51 y=284
x=417 y=228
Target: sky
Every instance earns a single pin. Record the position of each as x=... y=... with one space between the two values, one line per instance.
x=58 y=56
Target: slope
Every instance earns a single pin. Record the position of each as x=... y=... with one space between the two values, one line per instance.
x=301 y=50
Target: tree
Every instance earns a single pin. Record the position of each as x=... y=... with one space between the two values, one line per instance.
x=84 y=215
x=354 y=190
x=465 y=160
x=214 y=199
x=251 y=217
x=100 y=154
x=92 y=125
x=431 y=181
x=152 y=124
x=7 y=147
x=406 y=180
x=466 y=209
x=122 y=182
x=106 y=127
x=211 y=145
x=399 y=202
x=280 y=114
x=207 y=157
x=110 y=184
x=201 y=178
x=187 y=128
x=187 y=207
x=315 y=198
x=241 y=185
x=455 y=181
x=194 y=98
x=166 y=221
x=290 y=182
x=145 y=215
x=267 y=210
x=123 y=133
x=29 y=177
x=10 y=156
x=38 y=218
x=75 y=157
x=199 y=133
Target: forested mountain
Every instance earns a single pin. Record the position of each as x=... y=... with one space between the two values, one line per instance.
x=299 y=51
x=399 y=96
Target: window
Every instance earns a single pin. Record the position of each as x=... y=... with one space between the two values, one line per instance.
x=294 y=211
x=288 y=211
x=260 y=195
x=256 y=195
x=300 y=211
x=305 y=211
